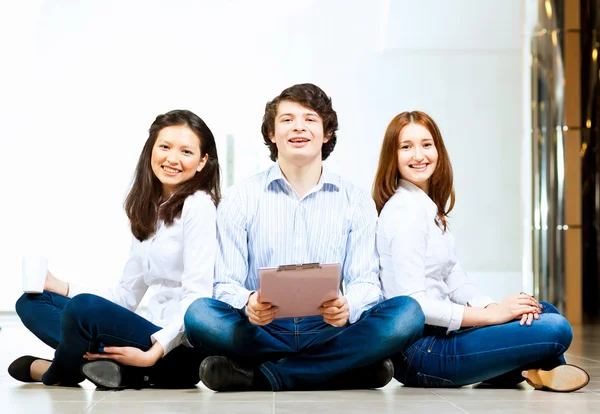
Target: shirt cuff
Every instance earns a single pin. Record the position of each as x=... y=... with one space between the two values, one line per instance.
x=481 y=301
x=356 y=307
x=241 y=298
x=169 y=338
x=458 y=311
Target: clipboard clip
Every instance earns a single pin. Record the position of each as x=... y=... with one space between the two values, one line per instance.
x=299 y=267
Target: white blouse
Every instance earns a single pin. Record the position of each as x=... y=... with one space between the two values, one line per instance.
x=177 y=262
x=418 y=259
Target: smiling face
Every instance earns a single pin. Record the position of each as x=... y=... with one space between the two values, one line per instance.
x=417 y=155
x=176 y=157
x=298 y=134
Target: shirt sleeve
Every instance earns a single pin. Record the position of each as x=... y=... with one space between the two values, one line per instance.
x=131 y=287
x=463 y=290
x=407 y=235
x=231 y=267
x=199 y=250
x=360 y=269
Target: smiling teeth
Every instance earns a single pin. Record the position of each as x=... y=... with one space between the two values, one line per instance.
x=170 y=170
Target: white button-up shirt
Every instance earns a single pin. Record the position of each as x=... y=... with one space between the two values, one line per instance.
x=417 y=258
x=177 y=262
x=262 y=222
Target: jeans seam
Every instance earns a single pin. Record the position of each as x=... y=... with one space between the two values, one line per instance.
x=142 y=346
x=365 y=315
x=496 y=350
x=297 y=336
x=409 y=362
x=271 y=377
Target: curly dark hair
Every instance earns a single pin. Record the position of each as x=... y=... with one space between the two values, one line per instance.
x=312 y=97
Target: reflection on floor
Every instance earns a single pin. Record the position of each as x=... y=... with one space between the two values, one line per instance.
x=16 y=397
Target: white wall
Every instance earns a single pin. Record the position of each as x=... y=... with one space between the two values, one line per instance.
x=86 y=79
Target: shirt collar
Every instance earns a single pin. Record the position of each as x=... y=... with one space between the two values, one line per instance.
x=414 y=189
x=327 y=177
x=275 y=174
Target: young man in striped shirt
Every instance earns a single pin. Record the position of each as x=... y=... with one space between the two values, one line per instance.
x=299 y=212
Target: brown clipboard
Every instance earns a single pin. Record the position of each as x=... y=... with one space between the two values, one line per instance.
x=299 y=290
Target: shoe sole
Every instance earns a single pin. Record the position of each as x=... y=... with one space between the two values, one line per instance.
x=104 y=374
x=563 y=378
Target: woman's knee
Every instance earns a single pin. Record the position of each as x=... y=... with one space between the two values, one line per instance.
x=81 y=306
x=27 y=303
x=557 y=329
x=23 y=305
x=549 y=308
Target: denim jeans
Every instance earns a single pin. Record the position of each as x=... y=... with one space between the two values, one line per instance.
x=493 y=354
x=88 y=323
x=299 y=353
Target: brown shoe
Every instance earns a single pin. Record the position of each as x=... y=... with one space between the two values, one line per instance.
x=563 y=378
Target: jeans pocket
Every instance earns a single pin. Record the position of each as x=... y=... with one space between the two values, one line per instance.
x=426 y=343
x=433 y=382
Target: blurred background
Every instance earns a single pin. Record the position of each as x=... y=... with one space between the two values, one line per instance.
x=81 y=82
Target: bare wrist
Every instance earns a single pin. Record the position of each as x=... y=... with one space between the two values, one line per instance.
x=156 y=352
x=489 y=316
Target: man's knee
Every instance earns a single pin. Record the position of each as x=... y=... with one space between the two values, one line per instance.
x=197 y=313
x=410 y=318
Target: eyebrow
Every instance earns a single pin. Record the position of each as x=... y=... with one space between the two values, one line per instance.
x=166 y=141
x=302 y=114
x=410 y=141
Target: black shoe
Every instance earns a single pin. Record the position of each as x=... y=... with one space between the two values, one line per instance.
x=376 y=375
x=222 y=374
x=111 y=375
x=20 y=369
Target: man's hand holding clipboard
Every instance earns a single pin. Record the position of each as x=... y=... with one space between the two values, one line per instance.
x=292 y=291
x=260 y=313
x=336 y=312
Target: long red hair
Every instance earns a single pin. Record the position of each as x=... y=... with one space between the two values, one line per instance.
x=387 y=178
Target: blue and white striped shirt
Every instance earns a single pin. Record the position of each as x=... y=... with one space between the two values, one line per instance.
x=262 y=222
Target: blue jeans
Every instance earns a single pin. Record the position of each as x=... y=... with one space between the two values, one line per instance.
x=88 y=323
x=299 y=353
x=493 y=354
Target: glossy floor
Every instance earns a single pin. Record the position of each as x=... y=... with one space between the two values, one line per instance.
x=17 y=397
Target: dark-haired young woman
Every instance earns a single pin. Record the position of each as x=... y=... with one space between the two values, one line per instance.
x=468 y=338
x=172 y=212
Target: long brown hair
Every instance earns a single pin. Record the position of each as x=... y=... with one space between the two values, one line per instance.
x=387 y=178
x=142 y=204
